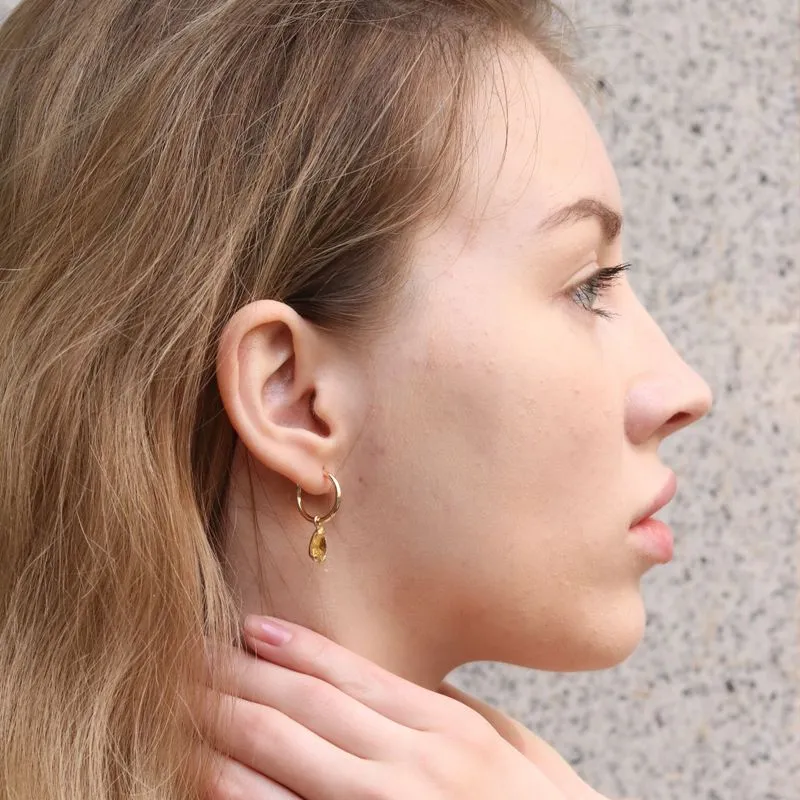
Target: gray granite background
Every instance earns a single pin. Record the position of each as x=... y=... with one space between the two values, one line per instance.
x=700 y=114
x=699 y=108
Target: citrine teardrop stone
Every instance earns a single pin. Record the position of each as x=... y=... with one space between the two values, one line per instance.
x=318 y=546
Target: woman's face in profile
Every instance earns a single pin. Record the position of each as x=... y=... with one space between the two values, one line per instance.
x=514 y=435
x=496 y=444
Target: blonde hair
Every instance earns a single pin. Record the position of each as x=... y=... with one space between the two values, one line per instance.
x=162 y=165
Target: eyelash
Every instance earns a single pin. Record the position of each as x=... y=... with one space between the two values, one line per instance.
x=597 y=285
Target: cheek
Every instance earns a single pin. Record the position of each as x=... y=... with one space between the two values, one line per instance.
x=537 y=404
x=536 y=436
x=502 y=414
x=497 y=452
x=531 y=420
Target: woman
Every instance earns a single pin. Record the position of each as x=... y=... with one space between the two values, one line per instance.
x=315 y=310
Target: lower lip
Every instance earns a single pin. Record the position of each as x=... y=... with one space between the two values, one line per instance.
x=655 y=539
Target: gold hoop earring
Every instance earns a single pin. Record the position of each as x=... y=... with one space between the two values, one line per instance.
x=318 y=546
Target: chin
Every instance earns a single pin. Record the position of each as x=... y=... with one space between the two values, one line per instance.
x=603 y=636
x=613 y=636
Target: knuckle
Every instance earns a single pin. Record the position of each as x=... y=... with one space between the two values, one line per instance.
x=303 y=685
x=317 y=650
x=469 y=724
x=450 y=764
x=316 y=693
x=361 y=682
x=385 y=784
x=262 y=730
x=226 y=787
x=436 y=758
x=357 y=677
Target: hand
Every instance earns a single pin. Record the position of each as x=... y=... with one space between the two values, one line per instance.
x=310 y=720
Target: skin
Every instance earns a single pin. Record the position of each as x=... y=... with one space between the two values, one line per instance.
x=308 y=719
x=494 y=445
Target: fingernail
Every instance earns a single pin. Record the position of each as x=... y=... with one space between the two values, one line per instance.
x=267 y=630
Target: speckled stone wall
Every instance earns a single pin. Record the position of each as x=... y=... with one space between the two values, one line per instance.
x=700 y=114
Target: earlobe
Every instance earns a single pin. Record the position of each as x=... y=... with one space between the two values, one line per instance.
x=269 y=368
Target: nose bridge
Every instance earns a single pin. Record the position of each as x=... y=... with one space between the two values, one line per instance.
x=665 y=393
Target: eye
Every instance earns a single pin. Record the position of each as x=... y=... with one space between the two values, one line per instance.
x=587 y=293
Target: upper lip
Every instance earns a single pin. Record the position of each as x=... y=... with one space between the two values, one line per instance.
x=664 y=496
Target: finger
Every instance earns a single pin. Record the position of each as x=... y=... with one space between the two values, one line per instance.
x=394 y=697
x=235 y=781
x=317 y=705
x=279 y=748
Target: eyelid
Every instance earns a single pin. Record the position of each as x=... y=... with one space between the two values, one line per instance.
x=598 y=270
x=599 y=282
x=593 y=266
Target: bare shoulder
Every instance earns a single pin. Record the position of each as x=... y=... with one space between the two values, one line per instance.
x=529 y=744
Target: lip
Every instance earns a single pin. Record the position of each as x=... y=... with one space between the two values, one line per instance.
x=664 y=496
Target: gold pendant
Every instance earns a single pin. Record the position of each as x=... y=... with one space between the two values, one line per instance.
x=318 y=546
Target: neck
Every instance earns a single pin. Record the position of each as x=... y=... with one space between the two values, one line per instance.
x=353 y=598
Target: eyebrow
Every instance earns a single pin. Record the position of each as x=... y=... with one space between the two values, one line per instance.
x=586 y=208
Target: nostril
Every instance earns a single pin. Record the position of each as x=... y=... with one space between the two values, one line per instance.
x=679 y=420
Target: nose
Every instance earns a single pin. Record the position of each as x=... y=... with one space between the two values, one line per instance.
x=666 y=395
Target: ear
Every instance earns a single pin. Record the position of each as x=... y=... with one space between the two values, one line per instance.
x=291 y=395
